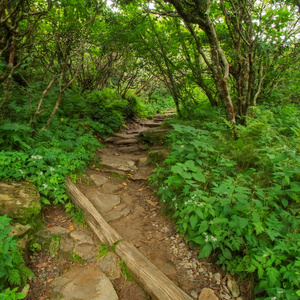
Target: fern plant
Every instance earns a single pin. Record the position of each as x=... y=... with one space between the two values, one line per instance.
x=13 y=270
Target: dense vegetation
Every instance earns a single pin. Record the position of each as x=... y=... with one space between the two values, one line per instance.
x=72 y=72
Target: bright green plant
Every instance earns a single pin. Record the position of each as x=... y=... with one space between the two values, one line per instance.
x=125 y=271
x=13 y=294
x=13 y=271
x=77 y=259
x=248 y=225
x=103 y=250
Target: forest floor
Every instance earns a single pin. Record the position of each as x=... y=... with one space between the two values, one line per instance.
x=133 y=210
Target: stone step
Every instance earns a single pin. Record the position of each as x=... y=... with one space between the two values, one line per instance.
x=126 y=141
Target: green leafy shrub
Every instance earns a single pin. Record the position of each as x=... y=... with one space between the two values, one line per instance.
x=13 y=271
x=247 y=225
x=66 y=148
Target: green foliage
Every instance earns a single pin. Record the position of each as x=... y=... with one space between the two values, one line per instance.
x=125 y=271
x=65 y=148
x=13 y=271
x=238 y=201
x=103 y=250
x=77 y=259
x=13 y=294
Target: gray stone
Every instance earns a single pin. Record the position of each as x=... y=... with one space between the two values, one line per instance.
x=118 y=163
x=142 y=162
x=23 y=242
x=66 y=244
x=103 y=202
x=127 y=141
x=141 y=174
x=129 y=149
x=45 y=235
x=194 y=294
x=126 y=211
x=18 y=229
x=98 y=179
x=85 y=251
x=19 y=201
x=110 y=266
x=112 y=215
x=207 y=294
x=233 y=288
x=217 y=277
x=110 y=188
x=86 y=284
x=81 y=237
x=154 y=136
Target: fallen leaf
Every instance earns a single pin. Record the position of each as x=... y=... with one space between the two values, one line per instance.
x=49 y=280
x=152 y=203
x=124 y=183
x=41 y=265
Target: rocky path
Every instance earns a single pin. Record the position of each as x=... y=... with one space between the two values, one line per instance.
x=117 y=187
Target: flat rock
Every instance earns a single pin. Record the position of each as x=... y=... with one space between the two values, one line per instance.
x=233 y=288
x=85 y=251
x=125 y=136
x=103 y=202
x=47 y=234
x=66 y=244
x=141 y=174
x=207 y=294
x=98 y=179
x=110 y=265
x=19 y=201
x=18 y=229
x=83 y=284
x=112 y=215
x=118 y=163
x=81 y=237
x=127 y=141
x=129 y=149
x=110 y=188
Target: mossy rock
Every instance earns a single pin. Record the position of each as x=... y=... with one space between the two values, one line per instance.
x=19 y=201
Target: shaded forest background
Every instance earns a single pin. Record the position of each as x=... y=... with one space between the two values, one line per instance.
x=72 y=72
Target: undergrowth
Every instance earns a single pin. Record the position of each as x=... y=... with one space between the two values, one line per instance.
x=238 y=200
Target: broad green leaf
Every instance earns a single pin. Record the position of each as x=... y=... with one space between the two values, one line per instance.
x=177 y=169
x=203 y=226
x=199 y=176
x=205 y=251
x=193 y=221
x=227 y=253
x=199 y=240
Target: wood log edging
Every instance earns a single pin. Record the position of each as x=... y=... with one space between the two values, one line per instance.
x=151 y=278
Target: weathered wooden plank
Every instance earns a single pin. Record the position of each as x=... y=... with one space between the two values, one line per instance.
x=152 y=279
x=108 y=233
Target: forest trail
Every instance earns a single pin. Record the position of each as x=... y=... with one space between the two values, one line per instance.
x=117 y=187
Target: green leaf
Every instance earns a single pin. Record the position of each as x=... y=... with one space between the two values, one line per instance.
x=199 y=240
x=227 y=253
x=199 y=176
x=193 y=221
x=205 y=251
x=177 y=169
x=203 y=226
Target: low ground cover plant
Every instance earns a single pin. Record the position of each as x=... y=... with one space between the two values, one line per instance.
x=244 y=214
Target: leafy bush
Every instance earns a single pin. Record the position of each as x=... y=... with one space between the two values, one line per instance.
x=249 y=225
x=53 y=155
x=13 y=270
